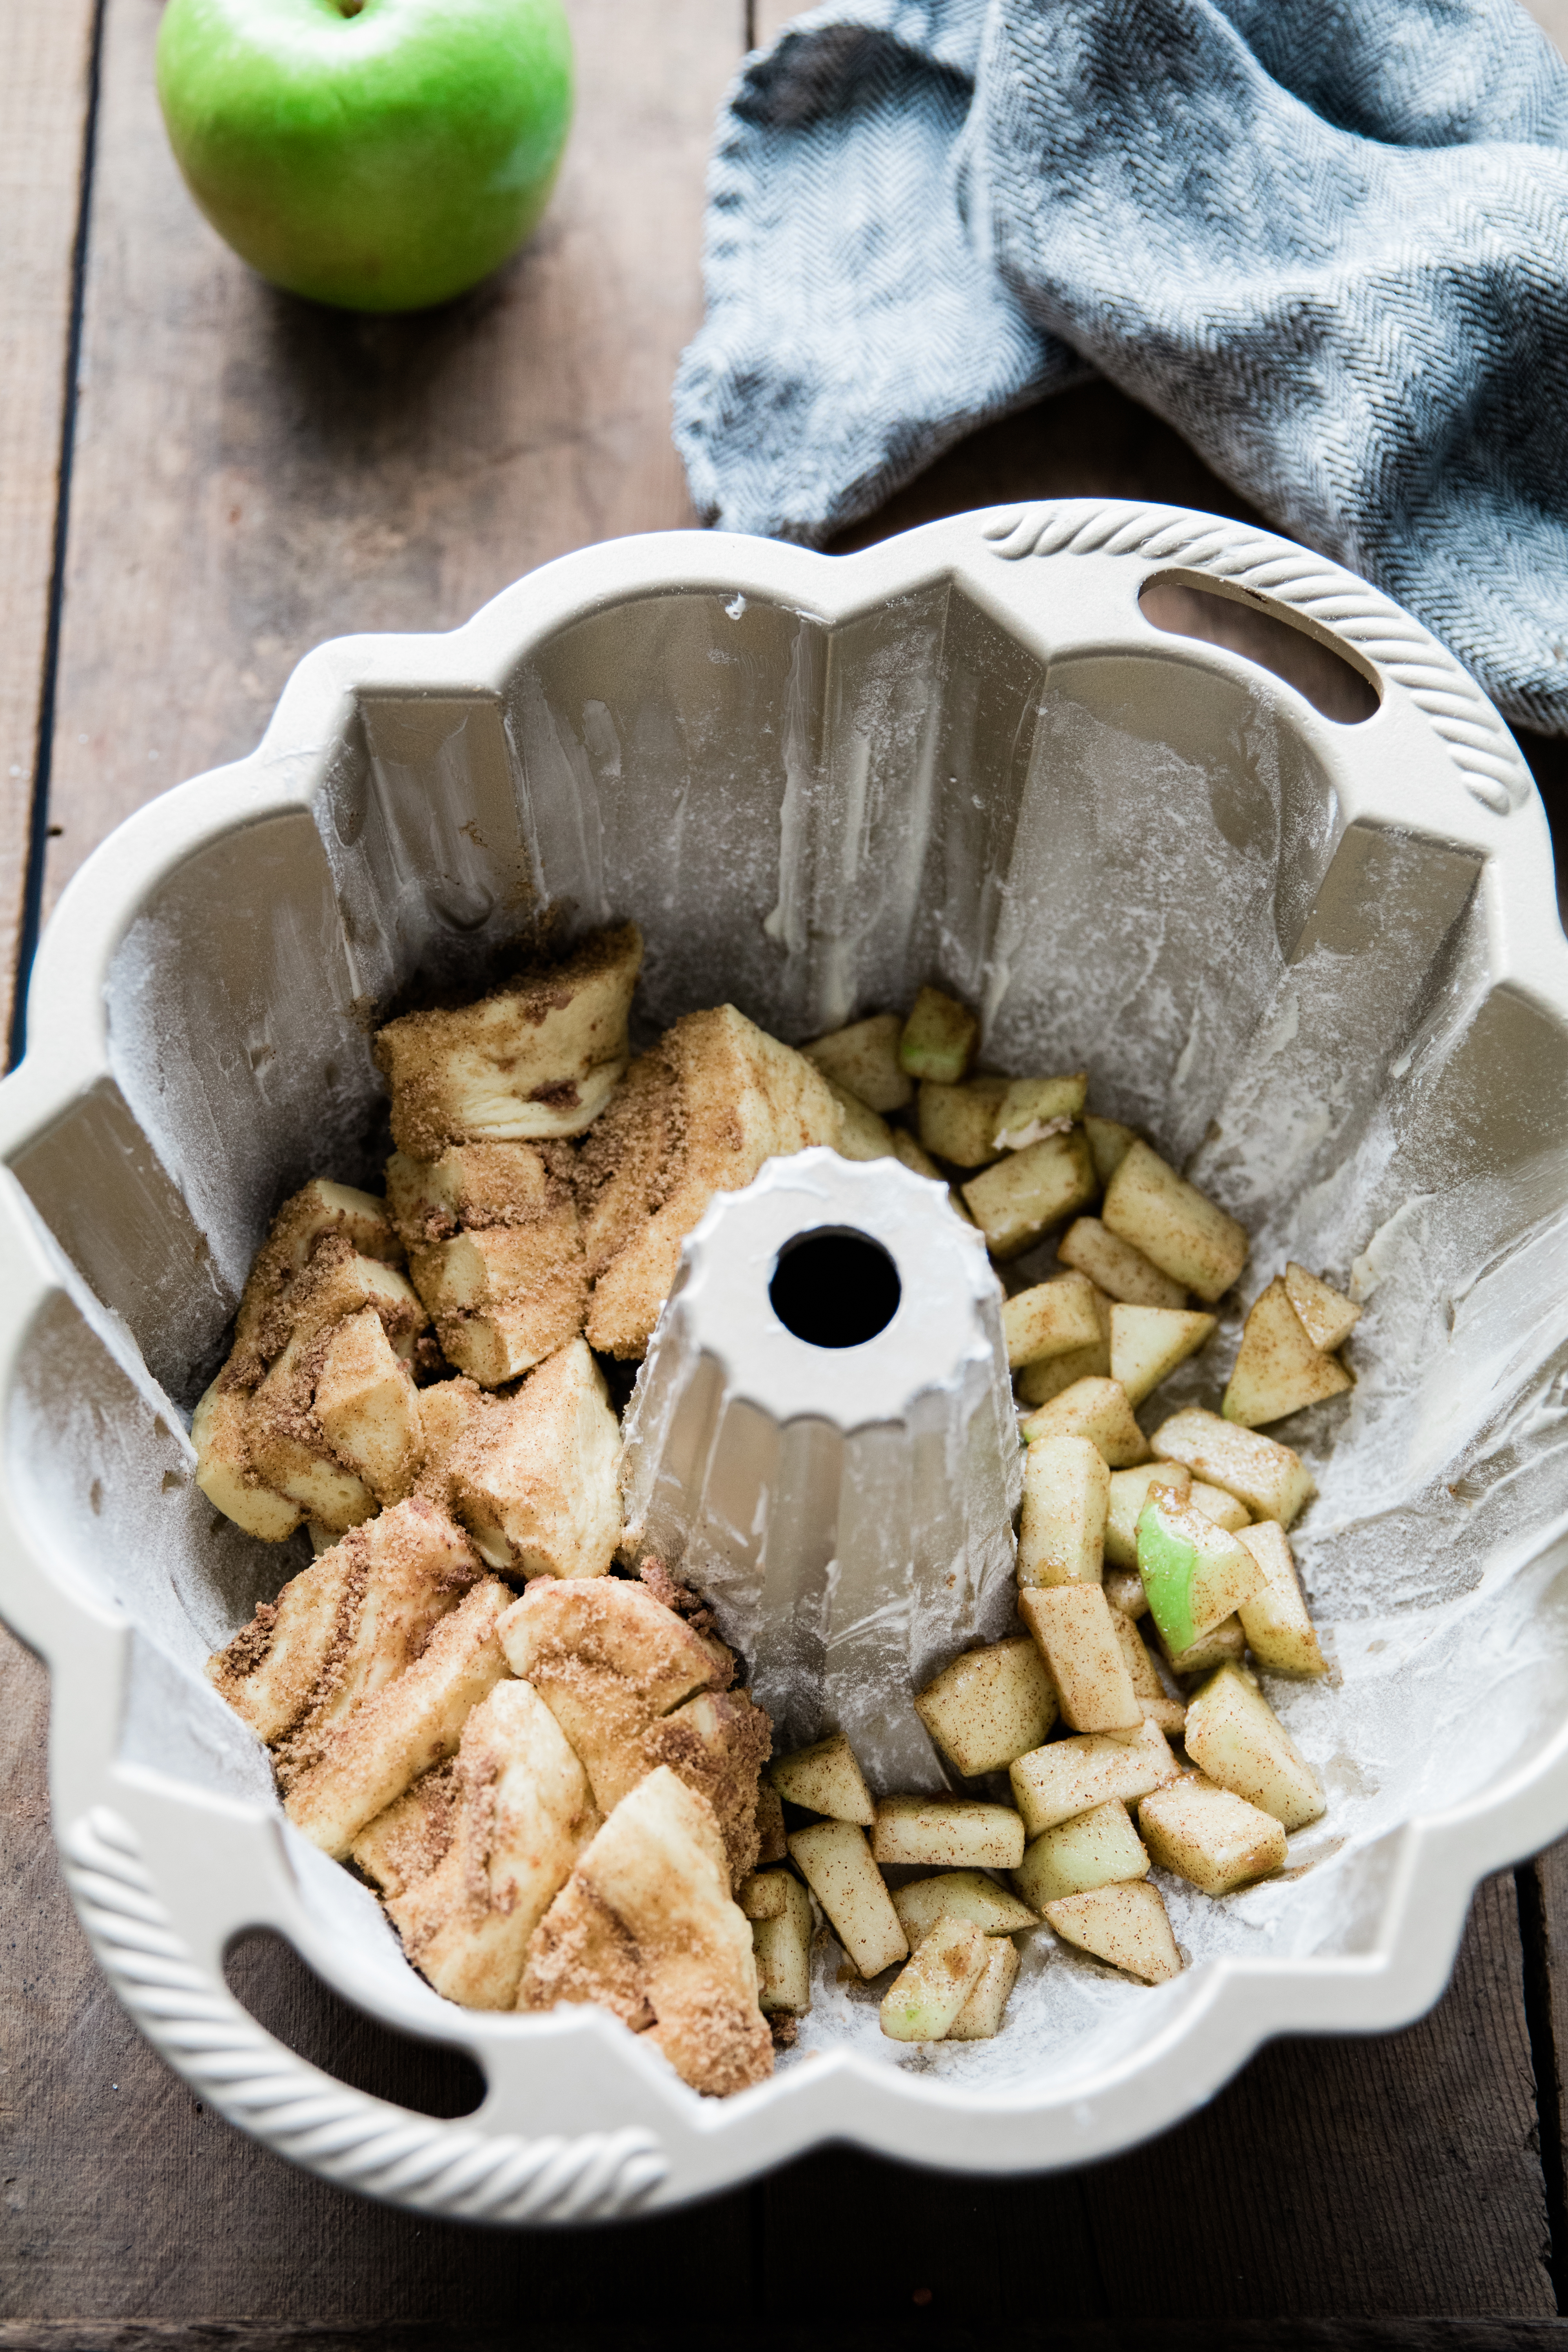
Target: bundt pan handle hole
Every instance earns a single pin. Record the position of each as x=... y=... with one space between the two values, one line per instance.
x=290 y=2001
x=1331 y=679
x=834 y=1288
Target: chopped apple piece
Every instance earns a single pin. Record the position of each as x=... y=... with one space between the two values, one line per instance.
x=939 y=1038
x=1193 y=1572
x=1129 y=1492
x=1147 y=1342
x=1098 y=1848
x=781 y=1941
x=368 y=1408
x=1279 y=1631
x=1068 y=1776
x=1154 y=1701
x=1225 y=1645
x=697 y=1115
x=1174 y=1225
x=1066 y=1493
x=969 y=1895
x=1023 y=1195
x=1049 y=1377
x=226 y=1475
x=908 y=1154
x=958 y=1123
x=864 y=1060
x=1033 y=1108
x=1072 y=1625
x=400 y=1730
x=1234 y=1735
x=825 y=1779
x=862 y=1135
x=522 y=1816
x=928 y=1991
x=1278 y=1370
x=1124 y=1588
x=1050 y=1318
x=1226 y=1511
x=980 y=2019
x=1128 y=1926
x=1098 y=1411
x=989 y=1705
x=1111 y=1143
x=1268 y=1478
x=539 y=1056
x=536 y=1478
x=1205 y=1834
x=1327 y=1316
x=835 y=1861
x=1115 y=1267
x=955 y=1832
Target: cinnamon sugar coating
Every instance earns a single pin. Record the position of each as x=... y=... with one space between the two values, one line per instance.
x=698 y=1115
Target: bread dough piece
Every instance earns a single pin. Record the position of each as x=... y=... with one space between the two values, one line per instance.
x=535 y=1476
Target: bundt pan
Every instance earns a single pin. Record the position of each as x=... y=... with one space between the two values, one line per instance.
x=1165 y=797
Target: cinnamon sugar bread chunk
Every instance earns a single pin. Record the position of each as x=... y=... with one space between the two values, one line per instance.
x=696 y=1116
x=410 y=1838
x=315 y=1412
x=538 y=1057
x=494 y=1250
x=351 y=1622
x=390 y=1738
x=657 y=1868
x=535 y=1476
x=522 y=1814
x=635 y=1688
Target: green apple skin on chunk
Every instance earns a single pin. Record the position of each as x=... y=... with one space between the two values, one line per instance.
x=1193 y=1572
x=1098 y=1848
x=928 y=1993
x=939 y=1039
x=1127 y=1925
x=379 y=159
x=1234 y=1735
x=980 y=2019
x=1129 y=1492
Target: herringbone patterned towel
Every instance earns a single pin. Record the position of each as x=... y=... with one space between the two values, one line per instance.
x=1327 y=239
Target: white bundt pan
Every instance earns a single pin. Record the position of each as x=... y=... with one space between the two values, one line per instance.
x=1317 y=959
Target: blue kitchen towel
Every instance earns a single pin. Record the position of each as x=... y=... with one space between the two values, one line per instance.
x=1326 y=239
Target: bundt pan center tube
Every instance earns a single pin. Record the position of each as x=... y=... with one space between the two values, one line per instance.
x=1166 y=798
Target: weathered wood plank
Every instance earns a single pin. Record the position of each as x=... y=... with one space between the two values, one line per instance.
x=299 y=473
x=1488 y=2335
x=1392 y=2175
x=43 y=93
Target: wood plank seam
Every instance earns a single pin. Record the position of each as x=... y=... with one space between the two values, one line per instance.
x=43 y=758
x=1533 y=1937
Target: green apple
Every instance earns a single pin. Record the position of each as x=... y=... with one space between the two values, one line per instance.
x=1193 y=1572
x=376 y=155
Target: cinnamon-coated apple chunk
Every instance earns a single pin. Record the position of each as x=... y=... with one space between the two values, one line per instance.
x=539 y=1056
x=1154 y=1701
x=1272 y=1481
x=1033 y=1108
x=1328 y=1316
x=959 y=1123
x=1050 y=1318
x=1173 y=1225
x=1234 y=1735
x=1208 y=1835
x=1130 y=1490
x=1067 y=1497
x=835 y=1860
x=933 y=1986
x=960 y=1832
x=968 y=1894
x=1023 y=1196
x=1278 y=1629
x=864 y=1060
x=988 y=1706
x=1097 y=1410
x=1072 y=1625
x=1068 y=1776
x=1097 y=1848
x=1128 y=1926
x=939 y=1039
x=1147 y=1343
x=1115 y=1267
x=980 y=2019
x=781 y=1941
x=825 y=1779
x=1280 y=1368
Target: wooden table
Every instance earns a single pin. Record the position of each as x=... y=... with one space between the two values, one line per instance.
x=199 y=479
